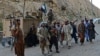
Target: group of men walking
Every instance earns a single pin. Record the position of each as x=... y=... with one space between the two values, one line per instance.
x=86 y=29
x=52 y=34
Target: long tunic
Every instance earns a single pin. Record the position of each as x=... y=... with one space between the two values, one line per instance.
x=58 y=31
x=91 y=31
x=81 y=32
x=74 y=31
x=54 y=37
x=19 y=42
x=67 y=29
x=31 y=38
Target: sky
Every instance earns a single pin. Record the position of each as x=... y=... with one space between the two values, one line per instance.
x=96 y=3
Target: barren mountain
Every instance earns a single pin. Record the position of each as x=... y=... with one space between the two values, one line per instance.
x=74 y=9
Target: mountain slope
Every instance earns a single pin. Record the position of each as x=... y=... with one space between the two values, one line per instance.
x=75 y=9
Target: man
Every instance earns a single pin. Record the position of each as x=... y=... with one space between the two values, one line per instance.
x=91 y=31
x=31 y=38
x=58 y=27
x=19 y=39
x=86 y=23
x=50 y=16
x=74 y=32
x=81 y=31
x=43 y=35
x=62 y=36
x=67 y=30
x=53 y=39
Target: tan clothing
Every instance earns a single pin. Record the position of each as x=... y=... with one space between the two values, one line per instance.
x=67 y=30
x=43 y=35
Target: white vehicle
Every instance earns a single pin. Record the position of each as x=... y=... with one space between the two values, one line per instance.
x=96 y=21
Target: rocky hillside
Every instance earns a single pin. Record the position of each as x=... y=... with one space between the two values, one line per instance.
x=70 y=9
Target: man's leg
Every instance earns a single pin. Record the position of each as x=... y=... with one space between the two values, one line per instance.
x=56 y=46
x=50 y=46
x=47 y=47
x=42 y=48
x=69 y=41
x=90 y=39
x=62 y=39
x=66 y=39
x=87 y=35
x=76 y=40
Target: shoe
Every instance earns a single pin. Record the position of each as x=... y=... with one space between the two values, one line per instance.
x=62 y=46
x=76 y=42
x=43 y=52
x=87 y=40
x=69 y=47
x=81 y=44
x=91 y=42
x=50 y=50
x=57 y=52
x=61 y=43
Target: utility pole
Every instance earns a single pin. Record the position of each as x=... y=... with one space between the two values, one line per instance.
x=80 y=10
x=91 y=7
x=24 y=10
x=3 y=13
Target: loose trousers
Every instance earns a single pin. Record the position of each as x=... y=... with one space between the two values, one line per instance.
x=68 y=39
x=54 y=41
